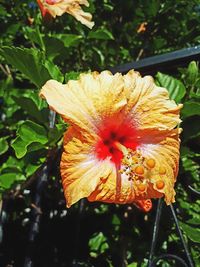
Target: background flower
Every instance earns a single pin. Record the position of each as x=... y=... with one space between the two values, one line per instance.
x=72 y=7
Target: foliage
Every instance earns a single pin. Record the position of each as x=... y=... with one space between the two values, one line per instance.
x=32 y=52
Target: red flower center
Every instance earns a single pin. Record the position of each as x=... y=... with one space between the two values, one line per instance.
x=111 y=135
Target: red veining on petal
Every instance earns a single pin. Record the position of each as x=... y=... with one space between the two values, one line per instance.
x=52 y=2
x=109 y=134
x=145 y=204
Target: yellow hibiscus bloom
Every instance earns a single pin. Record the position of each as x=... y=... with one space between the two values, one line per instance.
x=123 y=142
x=59 y=7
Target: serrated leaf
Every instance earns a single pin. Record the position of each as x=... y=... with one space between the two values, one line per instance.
x=29 y=62
x=3 y=145
x=175 y=87
x=190 y=108
x=101 y=34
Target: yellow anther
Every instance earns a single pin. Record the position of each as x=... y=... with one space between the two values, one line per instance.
x=160 y=184
x=141 y=187
x=162 y=170
x=139 y=170
x=135 y=159
x=151 y=163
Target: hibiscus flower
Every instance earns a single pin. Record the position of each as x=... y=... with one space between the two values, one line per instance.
x=122 y=145
x=59 y=7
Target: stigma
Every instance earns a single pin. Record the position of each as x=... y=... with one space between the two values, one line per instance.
x=111 y=136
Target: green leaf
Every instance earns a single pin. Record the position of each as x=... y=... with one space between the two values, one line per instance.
x=192 y=72
x=31 y=108
x=100 y=55
x=29 y=133
x=7 y=179
x=194 y=221
x=56 y=133
x=98 y=244
x=54 y=71
x=175 y=87
x=191 y=132
x=3 y=145
x=3 y=11
x=190 y=108
x=72 y=75
x=31 y=168
x=152 y=8
x=12 y=165
x=34 y=35
x=69 y=39
x=133 y=264
x=193 y=233
x=39 y=102
x=101 y=34
x=53 y=46
x=29 y=62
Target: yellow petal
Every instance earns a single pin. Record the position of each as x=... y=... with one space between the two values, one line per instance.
x=81 y=172
x=86 y=103
x=72 y=7
x=115 y=189
x=149 y=105
x=166 y=155
x=84 y=17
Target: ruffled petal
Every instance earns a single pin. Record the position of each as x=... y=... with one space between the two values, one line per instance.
x=162 y=177
x=72 y=7
x=88 y=102
x=148 y=105
x=54 y=9
x=115 y=189
x=84 y=17
x=81 y=172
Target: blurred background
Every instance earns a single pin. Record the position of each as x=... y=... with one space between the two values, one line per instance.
x=36 y=228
